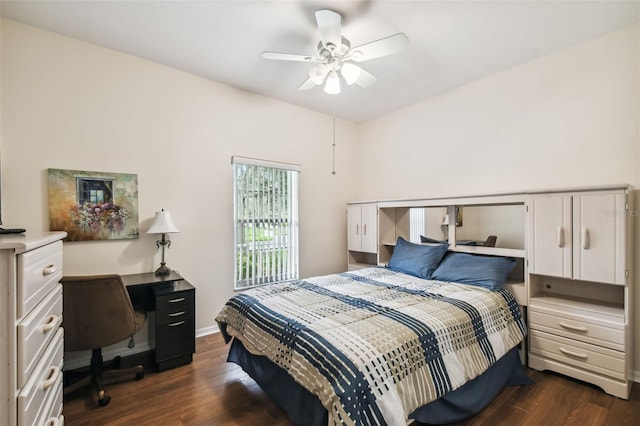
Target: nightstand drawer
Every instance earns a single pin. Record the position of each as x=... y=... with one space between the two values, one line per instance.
x=36 y=331
x=38 y=271
x=588 y=357
x=567 y=321
x=574 y=328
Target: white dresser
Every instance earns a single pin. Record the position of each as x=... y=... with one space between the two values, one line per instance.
x=31 y=348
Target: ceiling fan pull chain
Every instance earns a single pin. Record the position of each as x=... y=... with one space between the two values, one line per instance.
x=333 y=171
x=333 y=146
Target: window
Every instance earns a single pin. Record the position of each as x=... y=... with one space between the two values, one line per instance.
x=266 y=221
x=94 y=190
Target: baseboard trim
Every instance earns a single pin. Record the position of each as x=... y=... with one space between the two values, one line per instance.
x=79 y=360
x=207 y=330
x=635 y=376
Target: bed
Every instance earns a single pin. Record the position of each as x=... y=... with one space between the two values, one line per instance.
x=381 y=345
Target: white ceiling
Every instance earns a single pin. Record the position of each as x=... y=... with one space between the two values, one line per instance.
x=451 y=42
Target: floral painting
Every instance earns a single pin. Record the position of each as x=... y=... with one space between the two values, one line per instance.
x=93 y=205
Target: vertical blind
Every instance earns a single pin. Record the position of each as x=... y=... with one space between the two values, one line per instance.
x=417 y=224
x=266 y=221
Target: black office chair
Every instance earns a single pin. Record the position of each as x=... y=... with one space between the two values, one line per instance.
x=491 y=241
x=97 y=313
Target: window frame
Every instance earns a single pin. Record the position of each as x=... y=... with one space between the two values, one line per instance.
x=284 y=268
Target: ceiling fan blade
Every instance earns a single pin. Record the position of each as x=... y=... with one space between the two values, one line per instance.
x=307 y=84
x=319 y=73
x=330 y=26
x=366 y=79
x=383 y=47
x=286 y=57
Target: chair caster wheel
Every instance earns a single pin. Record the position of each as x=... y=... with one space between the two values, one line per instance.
x=115 y=362
x=104 y=400
x=140 y=375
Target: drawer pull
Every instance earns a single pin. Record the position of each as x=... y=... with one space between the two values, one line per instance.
x=49 y=269
x=560 y=236
x=175 y=324
x=573 y=327
x=177 y=314
x=585 y=238
x=573 y=354
x=52 y=374
x=53 y=421
x=52 y=322
x=179 y=299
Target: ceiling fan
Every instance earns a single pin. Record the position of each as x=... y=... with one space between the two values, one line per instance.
x=335 y=55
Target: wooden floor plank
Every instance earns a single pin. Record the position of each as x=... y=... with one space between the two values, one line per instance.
x=210 y=391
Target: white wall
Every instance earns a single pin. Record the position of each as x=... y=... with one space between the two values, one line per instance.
x=72 y=105
x=566 y=120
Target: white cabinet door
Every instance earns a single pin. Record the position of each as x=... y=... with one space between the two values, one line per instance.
x=354 y=227
x=362 y=226
x=551 y=235
x=370 y=228
x=599 y=238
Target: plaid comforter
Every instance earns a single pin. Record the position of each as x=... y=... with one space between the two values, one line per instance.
x=374 y=344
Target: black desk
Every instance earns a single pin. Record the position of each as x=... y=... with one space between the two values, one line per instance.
x=171 y=302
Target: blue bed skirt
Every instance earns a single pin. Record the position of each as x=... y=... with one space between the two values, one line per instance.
x=304 y=408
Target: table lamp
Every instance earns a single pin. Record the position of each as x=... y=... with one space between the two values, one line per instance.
x=162 y=224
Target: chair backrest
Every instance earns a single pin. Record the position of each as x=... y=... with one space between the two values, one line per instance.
x=491 y=241
x=97 y=312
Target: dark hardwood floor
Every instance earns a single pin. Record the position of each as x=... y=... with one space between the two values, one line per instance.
x=210 y=391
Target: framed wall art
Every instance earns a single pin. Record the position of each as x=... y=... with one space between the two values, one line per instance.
x=93 y=205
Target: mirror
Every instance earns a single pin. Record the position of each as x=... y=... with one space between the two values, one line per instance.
x=475 y=225
x=505 y=222
x=426 y=224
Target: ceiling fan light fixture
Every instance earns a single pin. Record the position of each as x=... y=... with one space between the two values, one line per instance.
x=334 y=57
x=332 y=86
x=350 y=72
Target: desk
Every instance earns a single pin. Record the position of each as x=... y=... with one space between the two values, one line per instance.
x=171 y=301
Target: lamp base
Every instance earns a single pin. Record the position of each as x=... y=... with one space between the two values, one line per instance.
x=163 y=270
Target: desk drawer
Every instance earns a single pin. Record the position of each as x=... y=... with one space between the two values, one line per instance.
x=43 y=385
x=38 y=271
x=35 y=332
x=175 y=338
x=588 y=357
x=174 y=307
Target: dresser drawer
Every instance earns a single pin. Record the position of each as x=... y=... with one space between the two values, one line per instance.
x=43 y=385
x=52 y=413
x=578 y=354
x=35 y=332
x=38 y=271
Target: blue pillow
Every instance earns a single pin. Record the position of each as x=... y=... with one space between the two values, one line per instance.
x=416 y=259
x=484 y=271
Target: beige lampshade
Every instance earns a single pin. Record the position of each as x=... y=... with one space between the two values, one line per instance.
x=162 y=224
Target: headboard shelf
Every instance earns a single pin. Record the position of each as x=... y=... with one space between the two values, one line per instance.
x=491 y=251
